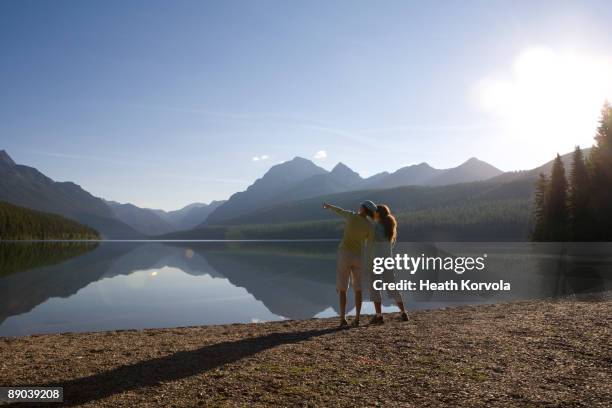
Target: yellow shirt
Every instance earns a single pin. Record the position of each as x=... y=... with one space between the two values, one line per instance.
x=358 y=230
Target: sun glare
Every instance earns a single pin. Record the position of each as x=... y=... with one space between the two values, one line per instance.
x=551 y=101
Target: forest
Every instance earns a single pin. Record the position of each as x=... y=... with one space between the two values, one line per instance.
x=19 y=223
x=492 y=220
x=579 y=207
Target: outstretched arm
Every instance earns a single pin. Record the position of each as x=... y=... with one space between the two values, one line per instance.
x=340 y=211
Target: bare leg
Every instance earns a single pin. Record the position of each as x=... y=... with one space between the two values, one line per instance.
x=342 y=298
x=402 y=309
x=378 y=308
x=357 y=304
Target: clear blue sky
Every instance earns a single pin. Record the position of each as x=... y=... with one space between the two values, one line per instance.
x=163 y=103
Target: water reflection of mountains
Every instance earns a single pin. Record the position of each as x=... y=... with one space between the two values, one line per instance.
x=292 y=282
x=293 y=279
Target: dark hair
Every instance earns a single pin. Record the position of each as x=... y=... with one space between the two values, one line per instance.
x=368 y=212
x=388 y=221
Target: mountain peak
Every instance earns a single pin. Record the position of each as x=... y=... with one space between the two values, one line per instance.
x=474 y=162
x=298 y=159
x=341 y=167
x=296 y=162
x=6 y=159
x=472 y=169
x=343 y=172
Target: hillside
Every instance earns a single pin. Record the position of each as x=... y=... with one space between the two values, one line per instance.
x=486 y=210
x=156 y=222
x=141 y=219
x=340 y=179
x=266 y=189
x=27 y=187
x=500 y=220
x=191 y=215
x=18 y=223
x=545 y=168
x=400 y=199
x=471 y=170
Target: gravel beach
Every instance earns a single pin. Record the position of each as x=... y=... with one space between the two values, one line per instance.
x=533 y=353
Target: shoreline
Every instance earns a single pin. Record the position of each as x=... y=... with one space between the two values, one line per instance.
x=542 y=352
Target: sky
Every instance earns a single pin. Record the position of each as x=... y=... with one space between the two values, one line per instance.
x=162 y=103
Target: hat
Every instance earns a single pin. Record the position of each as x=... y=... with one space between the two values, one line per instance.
x=369 y=205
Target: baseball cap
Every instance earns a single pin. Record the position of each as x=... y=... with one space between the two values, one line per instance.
x=369 y=205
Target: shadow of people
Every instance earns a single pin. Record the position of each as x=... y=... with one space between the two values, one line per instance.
x=179 y=365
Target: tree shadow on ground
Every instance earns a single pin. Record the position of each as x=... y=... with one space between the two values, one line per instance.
x=174 y=367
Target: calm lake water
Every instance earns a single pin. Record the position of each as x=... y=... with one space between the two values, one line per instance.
x=69 y=287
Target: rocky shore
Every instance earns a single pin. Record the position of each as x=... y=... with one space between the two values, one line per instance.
x=534 y=353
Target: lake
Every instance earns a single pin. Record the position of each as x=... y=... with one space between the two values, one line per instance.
x=56 y=287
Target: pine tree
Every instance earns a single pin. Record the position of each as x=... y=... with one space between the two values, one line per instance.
x=601 y=175
x=540 y=228
x=557 y=216
x=578 y=199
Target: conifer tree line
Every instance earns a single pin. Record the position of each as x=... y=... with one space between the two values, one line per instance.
x=578 y=206
x=20 y=223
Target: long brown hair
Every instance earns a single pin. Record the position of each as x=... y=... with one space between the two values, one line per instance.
x=388 y=221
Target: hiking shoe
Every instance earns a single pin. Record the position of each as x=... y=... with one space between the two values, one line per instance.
x=404 y=317
x=343 y=323
x=355 y=323
x=376 y=320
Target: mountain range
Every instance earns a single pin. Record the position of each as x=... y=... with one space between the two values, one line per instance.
x=495 y=209
x=158 y=222
x=288 y=192
x=300 y=179
x=27 y=187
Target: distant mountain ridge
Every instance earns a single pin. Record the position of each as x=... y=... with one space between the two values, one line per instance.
x=300 y=179
x=416 y=174
x=471 y=170
x=567 y=159
x=497 y=208
x=278 y=180
x=281 y=187
x=341 y=178
x=27 y=187
x=424 y=175
x=158 y=222
x=190 y=215
x=6 y=160
x=141 y=219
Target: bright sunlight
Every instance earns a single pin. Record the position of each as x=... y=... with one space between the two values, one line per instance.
x=551 y=100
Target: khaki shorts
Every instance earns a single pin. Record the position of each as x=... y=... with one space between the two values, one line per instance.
x=348 y=268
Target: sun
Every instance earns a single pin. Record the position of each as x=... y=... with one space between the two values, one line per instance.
x=550 y=101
